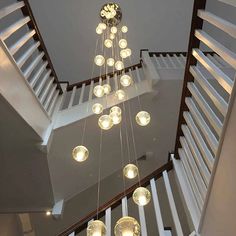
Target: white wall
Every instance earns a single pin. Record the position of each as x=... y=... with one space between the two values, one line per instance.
x=10 y=225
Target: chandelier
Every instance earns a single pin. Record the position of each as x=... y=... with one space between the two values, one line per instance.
x=111 y=55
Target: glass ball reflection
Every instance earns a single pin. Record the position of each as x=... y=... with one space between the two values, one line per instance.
x=113 y=29
x=97 y=108
x=123 y=43
x=80 y=153
x=116 y=118
x=96 y=228
x=116 y=109
x=141 y=196
x=102 y=26
x=98 y=91
x=110 y=61
x=130 y=171
x=108 y=43
x=143 y=118
x=120 y=94
x=127 y=226
x=124 y=29
x=107 y=88
x=99 y=30
x=99 y=60
x=119 y=65
x=105 y=122
x=125 y=80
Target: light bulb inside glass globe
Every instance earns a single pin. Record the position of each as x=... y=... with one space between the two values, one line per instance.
x=99 y=30
x=119 y=65
x=112 y=36
x=96 y=228
x=123 y=53
x=120 y=94
x=97 y=108
x=122 y=43
x=107 y=88
x=128 y=52
x=99 y=60
x=143 y=118
x=127 y=226
x=102 y=26
x=108 y=43
x=113 y=13
x=116 y=118
x=113 y=29
x=98 y=91
x=141 y=196
x=105 y=122
x=116 y=109
x=130 y=171
x=80 y=153
x=125 y=80
x=110 y=61
x=124 y=29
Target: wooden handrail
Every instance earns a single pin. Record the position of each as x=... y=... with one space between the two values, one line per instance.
x=116 y=201
x=197 y=23
x=103 y=77
x=27 y=11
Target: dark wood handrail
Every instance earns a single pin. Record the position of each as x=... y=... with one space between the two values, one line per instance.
x=27 y=11
x=103 y=77
x=116 y=201
x=197 y=23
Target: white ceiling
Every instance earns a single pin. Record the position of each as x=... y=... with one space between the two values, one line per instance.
x=70 y=177
x=68 y=29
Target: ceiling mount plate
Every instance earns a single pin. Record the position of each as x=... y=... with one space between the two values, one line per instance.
x=111 y=14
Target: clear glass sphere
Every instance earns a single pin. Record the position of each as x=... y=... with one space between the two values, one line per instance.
x=119 y=65
x=110 y=61
x=130 y=171
x=99 y=30
x=102 y=26
x=107 y=88
x=124 y=29
x=112 y=36
x=128 y=52
x=105 y=122
x=113 y=13
x=143 y=118
x=116 y=118
x=127 y=226
x=120 y=94
x=98 y=91
x=97 y=108
x=125 y=80
x=123 y=43
x=113 y=29
x=116 y=109
x=99 y=60
x=123 y=53
x=141 y=196
x=80 y=153
x=96 y=228
x=108 y=43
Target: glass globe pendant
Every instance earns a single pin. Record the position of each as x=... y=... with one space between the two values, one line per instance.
x=108 y=43
x=125 y=80
x=124 y=29
x=102 y=26
x=119 y=65
x=107 y=88
x=99 y=30
x=130 y=171
x=96 y=228
x=97 y=108
x=120 y=94
x=141 y=196
x=116 y=109
x=105 y=122
x=123 y=53
x=116 y=118
x=99 y=60
x=128 y=52
x=110 y=61
x=127 y=226
x=112 y=36
x=113 y=29
x=98 y=91
x=143 y=118
x=80 y=153
x=123 y=43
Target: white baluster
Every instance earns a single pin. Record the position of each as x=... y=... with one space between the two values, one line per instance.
x=116 y=82
x=82 y=93
x=142 y=220
x=157 y=208
x=179 y=61
x=171 y=61
x=72 y=97
x=157 y=61
x=91 y=90
x=124 y=207
x=163 y=59
x=11 y=8
x=108 y=221
x=173 y=209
